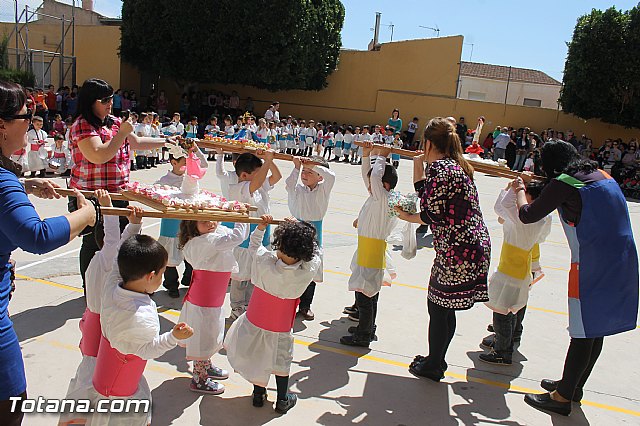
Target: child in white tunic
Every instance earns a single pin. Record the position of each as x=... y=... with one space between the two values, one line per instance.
x=37 y=153
x=371 y=264
x=227 y=178
x=131 y=331
x=208 y=248
x=60 y=157
x=253 y=188
x=309 y=201
x=169 y=227
x=509 y=284
x=260 y=342
x=97 y=273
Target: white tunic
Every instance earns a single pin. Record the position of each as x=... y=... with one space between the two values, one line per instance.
x=36 y=159
x=97 y=273
x=507 y=293
x=171 y=243
x=209 y=252
x=64 y=162
x=227 y=178
x=260 y=199
x=256 y=353
x=374 y=222
x=310 y=204
x=130 y=322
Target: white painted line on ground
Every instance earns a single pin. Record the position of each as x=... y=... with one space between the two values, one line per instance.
x=66 y=253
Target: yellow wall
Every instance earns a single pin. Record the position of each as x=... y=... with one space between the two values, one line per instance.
x=96 y=49
x=419 y=77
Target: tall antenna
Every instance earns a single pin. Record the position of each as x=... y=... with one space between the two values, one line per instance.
x=390 y=26
x=436 y=29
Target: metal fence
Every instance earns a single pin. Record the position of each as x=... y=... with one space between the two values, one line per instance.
x=47 y=67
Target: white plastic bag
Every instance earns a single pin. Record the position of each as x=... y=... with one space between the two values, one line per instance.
x=409 y=240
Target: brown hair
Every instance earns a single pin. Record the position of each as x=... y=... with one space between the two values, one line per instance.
x=442 y=134
x=188 y=230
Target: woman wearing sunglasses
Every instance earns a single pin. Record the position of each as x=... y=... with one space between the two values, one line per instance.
x=21 y=227
x=101 y=146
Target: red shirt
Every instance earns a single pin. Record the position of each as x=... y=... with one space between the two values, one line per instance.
x=477 y=149
x=113 y=174
x=50 y=100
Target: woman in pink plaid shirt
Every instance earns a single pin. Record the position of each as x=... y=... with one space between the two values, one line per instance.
x=101 y=147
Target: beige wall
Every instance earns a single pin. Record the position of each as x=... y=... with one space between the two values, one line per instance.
x=53 y=8
x=495 y=90
x=96 y=49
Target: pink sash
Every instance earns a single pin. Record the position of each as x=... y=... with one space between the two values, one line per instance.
x=116 y=374
x=91 y=333
x=271 y=313
x=208 y=288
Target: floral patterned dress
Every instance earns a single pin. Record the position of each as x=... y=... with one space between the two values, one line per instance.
x=450 y=205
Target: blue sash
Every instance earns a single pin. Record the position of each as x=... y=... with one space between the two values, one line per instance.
x=266 y=240
x=318 y=225
x=169 y=227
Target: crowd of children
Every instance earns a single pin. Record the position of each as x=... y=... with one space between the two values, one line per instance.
x=272 y=275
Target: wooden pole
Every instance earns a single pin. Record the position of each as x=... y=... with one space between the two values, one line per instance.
x=201 y=215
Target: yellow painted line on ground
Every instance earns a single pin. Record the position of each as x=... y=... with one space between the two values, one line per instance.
x=339 y=351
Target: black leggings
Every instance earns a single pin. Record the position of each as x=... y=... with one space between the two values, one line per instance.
x=581 y=357
x=442 y=327
x=12 y=418
x=282 y=384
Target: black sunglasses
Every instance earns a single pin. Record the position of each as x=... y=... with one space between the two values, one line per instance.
x=27 y=116
x=106 y=100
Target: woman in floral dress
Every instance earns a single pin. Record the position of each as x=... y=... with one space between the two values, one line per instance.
x=450 y=206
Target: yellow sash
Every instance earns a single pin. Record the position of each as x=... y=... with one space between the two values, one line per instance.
x=515 y=262
x=371 y=252
x=535 y=253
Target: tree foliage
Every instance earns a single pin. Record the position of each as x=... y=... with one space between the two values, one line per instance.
x=602 y=71
x=276 y=44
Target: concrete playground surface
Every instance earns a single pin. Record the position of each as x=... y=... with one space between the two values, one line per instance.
x=339 y=385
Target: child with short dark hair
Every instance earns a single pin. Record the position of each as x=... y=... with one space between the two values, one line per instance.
x=131 y=329
x=509 y=285
x=308 y=201
x=37 y=154
x=191 y=128
x=208 y=247
x=108 y=240
x=253 y=187
x=371 y=264
x=60 y=161
x=260 y=342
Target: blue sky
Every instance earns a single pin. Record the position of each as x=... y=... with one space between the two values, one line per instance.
x=529 y=34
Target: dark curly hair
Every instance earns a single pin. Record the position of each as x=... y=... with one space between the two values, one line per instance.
x=296 y=239
x=188 y=230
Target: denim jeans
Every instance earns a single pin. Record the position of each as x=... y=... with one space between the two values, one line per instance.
x=519 y=164
x=507 y=328
x=368 y=309
x=499 y=153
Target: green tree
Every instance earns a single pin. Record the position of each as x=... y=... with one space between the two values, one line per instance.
x=276 y=44
x=602 y=71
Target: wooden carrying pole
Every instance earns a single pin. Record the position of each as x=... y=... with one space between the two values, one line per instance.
x=129 y=196
x=477 y=165
x=202 y=215
x=239 y=149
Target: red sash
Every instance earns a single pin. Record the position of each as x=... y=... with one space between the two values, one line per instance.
x=117 y=374
x=208 y=288
x=35 y=147
x=20 y=152
x=59 y=155
x=271 y=313
x=91 y=333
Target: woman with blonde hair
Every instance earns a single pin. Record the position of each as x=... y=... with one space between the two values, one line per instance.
x=449 y=205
